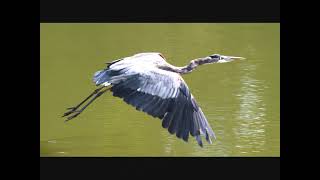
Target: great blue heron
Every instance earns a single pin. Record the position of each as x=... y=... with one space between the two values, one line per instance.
x=147 y=82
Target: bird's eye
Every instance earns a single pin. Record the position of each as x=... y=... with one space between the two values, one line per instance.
x=215 y=56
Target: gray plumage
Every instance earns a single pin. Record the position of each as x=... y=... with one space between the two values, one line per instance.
x=150 y=84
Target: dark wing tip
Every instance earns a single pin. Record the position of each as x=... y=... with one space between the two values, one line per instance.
x=198 y=138
x=208 y=138
x=185 y=136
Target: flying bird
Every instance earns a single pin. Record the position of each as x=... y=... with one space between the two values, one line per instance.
x=152 y=85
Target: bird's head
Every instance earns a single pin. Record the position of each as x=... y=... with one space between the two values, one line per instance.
x=217 y=58
x=214 y=58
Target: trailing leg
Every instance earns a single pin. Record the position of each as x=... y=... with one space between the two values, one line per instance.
x=73 y=109
x=86 y=105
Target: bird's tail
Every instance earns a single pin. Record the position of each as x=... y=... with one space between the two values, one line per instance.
x=100 y=77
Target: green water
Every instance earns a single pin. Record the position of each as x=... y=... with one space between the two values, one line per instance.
x=241 y=99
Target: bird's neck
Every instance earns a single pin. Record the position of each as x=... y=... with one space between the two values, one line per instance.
x=188 y=68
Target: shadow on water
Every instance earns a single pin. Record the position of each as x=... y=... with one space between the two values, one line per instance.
x=79 y=146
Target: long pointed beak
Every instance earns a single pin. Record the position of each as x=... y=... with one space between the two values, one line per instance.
x=232 y=57
x=225 y=59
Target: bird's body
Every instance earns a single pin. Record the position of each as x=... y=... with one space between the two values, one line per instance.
x=152 y=85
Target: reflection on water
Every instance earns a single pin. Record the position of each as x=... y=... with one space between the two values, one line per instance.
x=250 y=132
x=239 y=99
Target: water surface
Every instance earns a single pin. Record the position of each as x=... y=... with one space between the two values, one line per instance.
x=241 y=100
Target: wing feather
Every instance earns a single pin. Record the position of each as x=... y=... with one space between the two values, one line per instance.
x=159 y=93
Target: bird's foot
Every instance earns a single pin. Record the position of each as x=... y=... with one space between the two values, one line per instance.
x=71 y=110
x=73 y=116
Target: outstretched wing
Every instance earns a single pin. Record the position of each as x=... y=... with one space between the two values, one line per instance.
x=162 y=94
